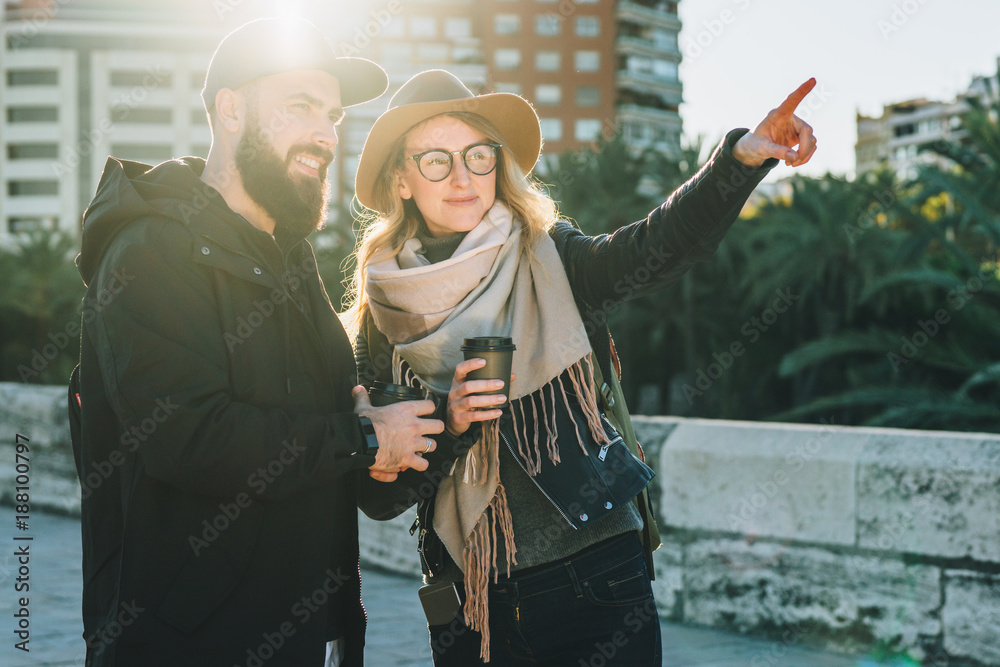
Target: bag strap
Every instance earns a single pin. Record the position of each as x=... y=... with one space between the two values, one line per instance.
x=617 y=413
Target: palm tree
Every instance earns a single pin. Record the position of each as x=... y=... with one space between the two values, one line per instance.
x=930 y=359
x=40 y=308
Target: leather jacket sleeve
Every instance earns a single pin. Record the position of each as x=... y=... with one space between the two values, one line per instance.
x=650 y=254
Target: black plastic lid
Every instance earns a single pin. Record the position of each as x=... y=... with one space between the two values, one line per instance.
x=489 y=343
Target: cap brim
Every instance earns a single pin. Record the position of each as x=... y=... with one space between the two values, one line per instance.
x=512 y=115
x=360 y=80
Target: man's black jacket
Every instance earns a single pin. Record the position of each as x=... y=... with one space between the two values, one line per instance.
x=217 y=456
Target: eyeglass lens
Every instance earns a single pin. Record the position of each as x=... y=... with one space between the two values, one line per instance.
x=479 y=159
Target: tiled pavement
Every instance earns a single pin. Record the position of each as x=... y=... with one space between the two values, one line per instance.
x=396 y=637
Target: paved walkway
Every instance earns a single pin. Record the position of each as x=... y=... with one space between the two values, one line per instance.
x=396 y=637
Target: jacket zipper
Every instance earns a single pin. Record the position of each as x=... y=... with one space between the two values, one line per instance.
x=510 y=448
x=601 y=455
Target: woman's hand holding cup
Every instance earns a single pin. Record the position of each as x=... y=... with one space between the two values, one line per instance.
x=466 y=401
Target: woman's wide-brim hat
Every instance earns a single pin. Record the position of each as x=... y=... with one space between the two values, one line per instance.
x=435 y=92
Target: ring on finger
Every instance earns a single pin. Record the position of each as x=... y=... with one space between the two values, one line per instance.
x=427 y=446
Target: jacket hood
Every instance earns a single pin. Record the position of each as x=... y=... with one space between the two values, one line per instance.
x=132 y=190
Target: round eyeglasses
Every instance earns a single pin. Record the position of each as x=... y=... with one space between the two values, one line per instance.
x=436 y=164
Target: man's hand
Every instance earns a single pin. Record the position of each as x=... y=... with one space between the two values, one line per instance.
x=402 y=434
x=778 y=134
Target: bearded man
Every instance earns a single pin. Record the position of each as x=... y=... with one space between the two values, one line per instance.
x=214 y=411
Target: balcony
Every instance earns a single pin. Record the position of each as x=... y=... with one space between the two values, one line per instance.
x=670 y=90
x=646 y=47
x=635 y=12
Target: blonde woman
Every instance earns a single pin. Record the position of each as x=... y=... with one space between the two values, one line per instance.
x=531 y=509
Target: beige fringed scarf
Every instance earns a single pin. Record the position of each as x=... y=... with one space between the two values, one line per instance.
x=487 y=288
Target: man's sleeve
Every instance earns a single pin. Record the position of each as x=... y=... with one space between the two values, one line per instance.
x=165 y=370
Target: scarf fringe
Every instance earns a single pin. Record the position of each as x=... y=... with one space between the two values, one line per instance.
x=479 y=555
x=480 y=558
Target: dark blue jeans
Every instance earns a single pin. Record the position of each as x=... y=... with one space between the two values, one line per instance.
x=592 y=609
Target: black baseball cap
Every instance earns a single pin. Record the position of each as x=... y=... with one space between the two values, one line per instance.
x=274 y=45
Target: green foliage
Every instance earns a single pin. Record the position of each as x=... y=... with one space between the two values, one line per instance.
x=895 y=319
x=40 y=308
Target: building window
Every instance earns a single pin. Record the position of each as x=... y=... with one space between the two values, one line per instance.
x=664 y=41
x=588 y=26
x=588 y=96
x=423 y=26
x=551 y=128
x=665 y=69
x=548 y=61
x=149 y=153
x=514 y=88
x=587 y=61
x=33 y=114
x=548 y=25
x=432 y=53
x=507 y=24
x=142 y=79
x=587 y=129
x=548 y=93
x=393 y=29
x=32 y=188
x=126 y=114
x=507 y=59
x=32 y=77
x=22 y=224
x=35 y=151
x=455 y=28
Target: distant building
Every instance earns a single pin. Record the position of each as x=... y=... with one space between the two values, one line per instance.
x=900 y=137
x=85 y=79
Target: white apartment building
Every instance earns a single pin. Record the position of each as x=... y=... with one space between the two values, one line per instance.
x=901 y=136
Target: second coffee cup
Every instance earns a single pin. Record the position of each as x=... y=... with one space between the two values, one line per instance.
x=498 y=351
x=386 y=393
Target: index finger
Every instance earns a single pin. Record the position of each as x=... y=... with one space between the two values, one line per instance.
x=463 y=368
x=793 y=100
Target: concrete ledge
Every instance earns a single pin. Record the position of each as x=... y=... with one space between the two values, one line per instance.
x=775 y=480
x=971 y=616
x=930 y=493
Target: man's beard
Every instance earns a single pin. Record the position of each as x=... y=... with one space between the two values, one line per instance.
x=297 y=205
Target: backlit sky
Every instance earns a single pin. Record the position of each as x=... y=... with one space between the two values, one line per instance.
x=768 y=47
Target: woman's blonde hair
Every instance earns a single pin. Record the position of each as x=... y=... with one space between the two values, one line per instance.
x=384 y=231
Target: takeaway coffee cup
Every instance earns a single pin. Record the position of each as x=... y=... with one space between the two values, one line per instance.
x=386 y=393
x=498 y=352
